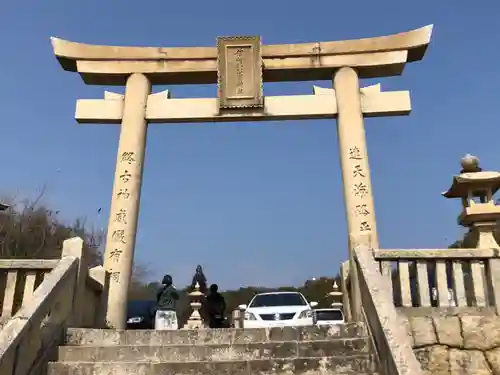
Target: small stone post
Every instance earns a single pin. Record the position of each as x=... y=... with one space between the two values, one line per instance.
x=237 y=318
x=344 y=274
x=336 y=295
x=195 y=321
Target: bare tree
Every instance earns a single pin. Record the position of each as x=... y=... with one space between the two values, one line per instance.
x=29 y=229
x=140 y=287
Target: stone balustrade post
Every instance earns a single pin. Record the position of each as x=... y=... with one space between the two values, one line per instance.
x=73 y=247
x=99 y=274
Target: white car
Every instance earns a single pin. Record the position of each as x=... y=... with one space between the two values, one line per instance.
x=278 y=309
x=325 y=317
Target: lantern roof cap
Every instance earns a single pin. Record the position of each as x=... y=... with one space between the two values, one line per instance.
x=472 y=177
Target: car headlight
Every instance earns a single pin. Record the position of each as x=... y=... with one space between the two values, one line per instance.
x=135 y=319
x=306 y=314
x=250 y=316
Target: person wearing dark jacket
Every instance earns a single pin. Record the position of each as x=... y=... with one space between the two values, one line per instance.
x=166 y=305
x=216 y=307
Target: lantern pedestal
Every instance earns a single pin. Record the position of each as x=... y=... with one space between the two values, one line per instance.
x=195 y=321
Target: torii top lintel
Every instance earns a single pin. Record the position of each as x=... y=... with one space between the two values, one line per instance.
x=372 y=57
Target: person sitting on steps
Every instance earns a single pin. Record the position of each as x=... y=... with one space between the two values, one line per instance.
x=166 y=304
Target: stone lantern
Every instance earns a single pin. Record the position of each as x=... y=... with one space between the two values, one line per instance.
x=480 y=214
x=195 y=321
x=336 y=295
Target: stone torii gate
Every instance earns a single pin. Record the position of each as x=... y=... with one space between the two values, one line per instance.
x=239 y=65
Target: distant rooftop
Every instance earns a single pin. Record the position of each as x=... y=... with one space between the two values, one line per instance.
x=3 y=206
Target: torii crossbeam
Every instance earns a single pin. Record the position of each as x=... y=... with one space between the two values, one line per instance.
x=322 y=105
x=240 y=66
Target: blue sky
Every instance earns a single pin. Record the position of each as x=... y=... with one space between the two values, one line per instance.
x=254 y=203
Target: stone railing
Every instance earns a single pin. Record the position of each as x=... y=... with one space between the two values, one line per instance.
x=449 y=278
x=397 y=285
x=69 y=295
x=392 y=345
x=19 y=278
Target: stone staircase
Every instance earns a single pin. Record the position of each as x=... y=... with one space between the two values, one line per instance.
x=340 y=349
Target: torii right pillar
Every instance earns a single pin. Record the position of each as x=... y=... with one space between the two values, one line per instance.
x=358 y=197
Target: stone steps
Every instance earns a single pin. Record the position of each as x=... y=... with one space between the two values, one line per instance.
x=329 y=350
x=351 y=365
x=215 y=352
x=107 y=337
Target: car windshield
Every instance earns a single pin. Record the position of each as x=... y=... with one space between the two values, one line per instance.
x=329 y=315
x=278 y=299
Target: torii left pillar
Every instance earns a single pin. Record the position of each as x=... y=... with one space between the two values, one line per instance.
x=124 y=213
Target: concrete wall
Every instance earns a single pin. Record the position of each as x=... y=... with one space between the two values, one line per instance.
x=457 y=343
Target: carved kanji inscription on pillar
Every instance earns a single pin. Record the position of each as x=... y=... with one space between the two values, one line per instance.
x=360 y=189
x=127 y=157
x=239 y=72
x=115 y=254
x=361 y=210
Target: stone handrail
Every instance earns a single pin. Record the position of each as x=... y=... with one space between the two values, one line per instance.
x=69 y=295
x=27 y=339
x=393 y=346
x=447 y=278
